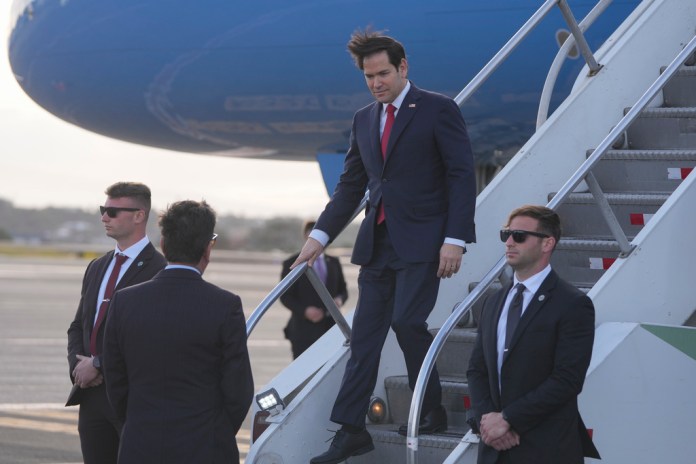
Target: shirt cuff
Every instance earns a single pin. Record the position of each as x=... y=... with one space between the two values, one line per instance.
x=454 y=241
x=320 y=236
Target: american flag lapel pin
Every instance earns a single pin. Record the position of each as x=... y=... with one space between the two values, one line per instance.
x=411 y=105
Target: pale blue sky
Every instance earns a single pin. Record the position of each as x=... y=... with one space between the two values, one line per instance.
x=45 y=161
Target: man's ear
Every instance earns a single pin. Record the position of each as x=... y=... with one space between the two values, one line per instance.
x=549 y=244
x=140 y=216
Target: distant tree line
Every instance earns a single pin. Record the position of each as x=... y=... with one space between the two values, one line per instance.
x=71 y=225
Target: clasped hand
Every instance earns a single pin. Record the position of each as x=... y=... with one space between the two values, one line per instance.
x=85 y=374
x=496 y=432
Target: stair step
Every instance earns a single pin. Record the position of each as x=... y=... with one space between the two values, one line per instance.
x=390 y=447
x=663 y=128
x=679 y=91
x=643 y=170
x=453 y=360
x=399 y=399
x=583 y=262
x=582 y=218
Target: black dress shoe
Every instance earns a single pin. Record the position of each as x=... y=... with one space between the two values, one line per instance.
x=433 y=422
x=345 y=445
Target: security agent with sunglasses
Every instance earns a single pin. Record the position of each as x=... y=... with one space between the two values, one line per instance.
x=531 y=354
x=176 y=364
x=124 y=216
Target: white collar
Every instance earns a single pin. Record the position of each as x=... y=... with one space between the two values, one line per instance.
x=398 y=100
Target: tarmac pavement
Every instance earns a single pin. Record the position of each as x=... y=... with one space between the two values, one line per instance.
x=38 y=299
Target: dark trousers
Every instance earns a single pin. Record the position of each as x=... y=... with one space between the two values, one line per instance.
x=392 y=294
x=98 y=426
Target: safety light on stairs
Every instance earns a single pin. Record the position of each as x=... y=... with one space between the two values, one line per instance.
x=270 y=401
x=377 y=410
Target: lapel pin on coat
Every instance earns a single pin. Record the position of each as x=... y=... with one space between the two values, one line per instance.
x=542 y=297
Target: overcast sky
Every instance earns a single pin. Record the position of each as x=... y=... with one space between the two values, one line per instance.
x=47 y=162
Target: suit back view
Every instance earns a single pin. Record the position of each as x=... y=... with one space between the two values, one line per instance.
x=177 y=370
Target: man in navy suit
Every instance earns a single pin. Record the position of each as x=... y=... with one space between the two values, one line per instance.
x=531 y=354
x=410 y=148
x=124 y=216
x=176 y=364
x=310 y=319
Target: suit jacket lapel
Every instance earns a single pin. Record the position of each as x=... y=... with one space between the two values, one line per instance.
x=136 y=266
x=538 y=301
x=93 y=294
x=375 y=114
x=493 y=336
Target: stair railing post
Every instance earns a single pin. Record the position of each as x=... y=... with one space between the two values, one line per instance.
x=319 y=286
x=580 y=40
x=329 y=302
x=609 y=216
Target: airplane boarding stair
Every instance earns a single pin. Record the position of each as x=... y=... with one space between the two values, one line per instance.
x=626 y=200
x=652 y=160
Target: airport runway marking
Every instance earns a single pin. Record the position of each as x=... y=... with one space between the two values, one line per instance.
x=28 y=424
x=54 y=413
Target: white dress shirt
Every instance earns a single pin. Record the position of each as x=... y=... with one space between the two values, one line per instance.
x=531 y=285
x=132 y=252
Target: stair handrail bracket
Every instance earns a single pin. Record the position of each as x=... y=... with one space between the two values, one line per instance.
x=285 y=284
x=316 y=282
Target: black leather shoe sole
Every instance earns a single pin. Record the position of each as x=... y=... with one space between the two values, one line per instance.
x=338 y=459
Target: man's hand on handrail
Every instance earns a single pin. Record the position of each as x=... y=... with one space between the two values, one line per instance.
x=311 y=250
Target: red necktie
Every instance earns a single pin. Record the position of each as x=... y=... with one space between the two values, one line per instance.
x=385 y=141
x=110 y=286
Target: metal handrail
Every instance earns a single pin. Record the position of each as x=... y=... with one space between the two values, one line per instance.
x=554 y=70
x=466 y=305
x=504 y=52
x=518 y=37
x=316 y=282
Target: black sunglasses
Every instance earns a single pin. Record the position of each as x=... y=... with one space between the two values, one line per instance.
x=519 y=236
x=112 y=211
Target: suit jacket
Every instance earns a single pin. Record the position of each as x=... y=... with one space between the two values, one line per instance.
x=302 y=294
x=541 y=376
x=148 y=263
x=427 y=182
x=177 y=370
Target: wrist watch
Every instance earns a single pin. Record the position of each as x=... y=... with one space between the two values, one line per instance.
x=96 y=362
x=505 y=417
